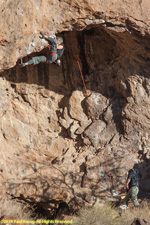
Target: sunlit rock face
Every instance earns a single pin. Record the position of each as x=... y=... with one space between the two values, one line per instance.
x=21 y=21
x=52 y=143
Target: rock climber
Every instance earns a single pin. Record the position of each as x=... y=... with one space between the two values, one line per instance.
x=132 y=187
x=56 y=49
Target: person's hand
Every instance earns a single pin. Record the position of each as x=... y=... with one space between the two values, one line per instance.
x=42 y=35
x=127 y=187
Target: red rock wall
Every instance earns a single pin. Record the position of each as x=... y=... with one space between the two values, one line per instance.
x=21 y=21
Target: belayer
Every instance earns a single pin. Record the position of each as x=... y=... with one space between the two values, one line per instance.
x=56 y=50
x=132 y=186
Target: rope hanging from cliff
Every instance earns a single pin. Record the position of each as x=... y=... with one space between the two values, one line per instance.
x=95 y=124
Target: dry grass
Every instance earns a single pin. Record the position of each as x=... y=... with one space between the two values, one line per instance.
x=129 y=215
x=106 y=215
x=13 y=208
x=97 y=215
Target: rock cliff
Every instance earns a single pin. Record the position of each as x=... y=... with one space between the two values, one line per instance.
x=50 y=150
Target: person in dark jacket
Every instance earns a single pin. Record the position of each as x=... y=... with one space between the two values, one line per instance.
x=56 y=50
x=132 y=186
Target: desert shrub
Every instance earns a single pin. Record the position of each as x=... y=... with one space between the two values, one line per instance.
x=129 y=215
x=106 y=215
x=97 y=215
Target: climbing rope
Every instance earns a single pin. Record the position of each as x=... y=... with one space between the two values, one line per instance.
x=102 y=151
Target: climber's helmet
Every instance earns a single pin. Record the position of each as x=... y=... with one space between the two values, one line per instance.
x=60 y=39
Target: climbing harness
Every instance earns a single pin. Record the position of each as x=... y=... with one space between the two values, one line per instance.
x=51 y=53
x=102 y=151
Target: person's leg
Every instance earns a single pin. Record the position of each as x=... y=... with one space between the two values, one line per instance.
x=35 y=60
x=128 y=195
x=38 y=59
x=51 y=58
x=57 y=62
x=134 y=193
x=30 y=62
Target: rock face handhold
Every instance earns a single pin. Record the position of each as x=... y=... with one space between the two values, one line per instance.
x=73 y=118
x=94 y=133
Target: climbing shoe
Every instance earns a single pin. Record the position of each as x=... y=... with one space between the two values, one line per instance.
x=122 y=207
x=22 y=65
x=58 y=62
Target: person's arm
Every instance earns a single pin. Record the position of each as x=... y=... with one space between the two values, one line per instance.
x=46 y=37
x=60 y=47
x=49 y=39
x=127 y=184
